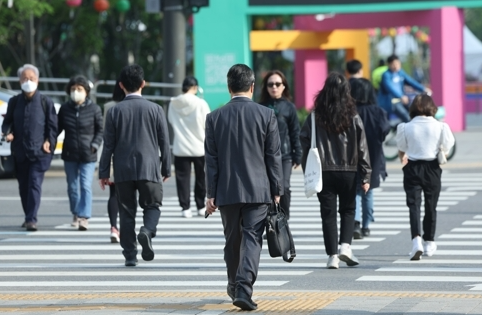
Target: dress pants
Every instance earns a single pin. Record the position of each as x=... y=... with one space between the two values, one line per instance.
x=112 y=207
x=183 y=181
x=150 y=199
x=341 y=185
x=285 y=199
x=30 y=176
x=243 y=229
x=423 y=176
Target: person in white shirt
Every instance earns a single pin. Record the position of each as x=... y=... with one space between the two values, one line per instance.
x=419 y=142
x=187 y=115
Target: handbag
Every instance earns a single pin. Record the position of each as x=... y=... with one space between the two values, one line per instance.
x=313 y=175
x=278 y=234
x=442 y=159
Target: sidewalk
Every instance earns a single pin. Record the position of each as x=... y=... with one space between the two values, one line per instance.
x=215 y=302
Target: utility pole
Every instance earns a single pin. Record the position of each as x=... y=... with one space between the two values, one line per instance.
x=174 y=38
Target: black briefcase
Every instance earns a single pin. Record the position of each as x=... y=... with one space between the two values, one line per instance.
x=7 y=167
x=278 y=234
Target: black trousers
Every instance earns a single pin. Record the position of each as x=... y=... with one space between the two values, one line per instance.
x=112 y=206
x=150 y=199
x=285 y=200
x=341 y=185
x=243 y=229
x=423 y=176
x=30 y=176
x=183 y=181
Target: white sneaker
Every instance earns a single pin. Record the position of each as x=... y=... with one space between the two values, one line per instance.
x=417 y=248
x=345 y=254
x=187 y=213
x=429 y=247
x=333 y=262
x=75 y=222
x=201 y=212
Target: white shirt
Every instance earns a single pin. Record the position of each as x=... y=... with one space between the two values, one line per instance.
x=421 y=138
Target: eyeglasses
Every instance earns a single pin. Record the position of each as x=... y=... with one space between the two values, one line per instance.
x=271 y=84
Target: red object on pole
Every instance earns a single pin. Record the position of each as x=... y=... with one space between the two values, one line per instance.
x=101 y=5
x=73 y=3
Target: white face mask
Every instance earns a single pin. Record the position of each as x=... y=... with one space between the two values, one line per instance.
x=78 y=97
x=29 y=86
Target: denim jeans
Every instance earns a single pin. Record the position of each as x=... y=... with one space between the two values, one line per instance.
x=401 y=111
x=364 y=207
x=79 y=187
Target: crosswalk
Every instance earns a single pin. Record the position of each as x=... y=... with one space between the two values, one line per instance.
x=189 y=251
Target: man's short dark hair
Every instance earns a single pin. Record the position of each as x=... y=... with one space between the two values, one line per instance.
x=353 y=66
x=78 y=80
x=188 y=83
x=240 y=78
x=132 y=77
x=392 y=58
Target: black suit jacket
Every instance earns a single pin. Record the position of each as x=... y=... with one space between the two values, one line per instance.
x=243 y=156
x=135 y=131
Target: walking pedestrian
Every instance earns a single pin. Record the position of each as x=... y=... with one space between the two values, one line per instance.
x=376 y=127
x=421 y=140
x=243 y=176
x=81 y=119
x=187 y=115
x=135 y=132
x=31 y=125
x=275 y=94
x=343 y=149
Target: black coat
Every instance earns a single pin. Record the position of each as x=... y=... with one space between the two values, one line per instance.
x=243 y=157
x=83 y=126
x=376 y=129
x=289 y=128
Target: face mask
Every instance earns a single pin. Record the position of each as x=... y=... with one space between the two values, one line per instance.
x=29 y=86
x=78 y=97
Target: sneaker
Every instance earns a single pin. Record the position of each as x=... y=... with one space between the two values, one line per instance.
x=333 y=262
x=114 y=235
x=201 y=212
x=417 y=249
x=345 y=254
x=365 y=231
x=75 y=222
x=357 y=233
x=187 y=213
x=429 y=247
x=83 y=224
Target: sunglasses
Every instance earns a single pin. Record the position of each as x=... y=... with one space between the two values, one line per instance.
x=271 y=84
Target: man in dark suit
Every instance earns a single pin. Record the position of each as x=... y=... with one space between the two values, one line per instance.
x=135 y=131
x=243 y=176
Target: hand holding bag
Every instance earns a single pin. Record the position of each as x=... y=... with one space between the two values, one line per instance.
x=280 y=240
x=442 y=159
x=313 y=175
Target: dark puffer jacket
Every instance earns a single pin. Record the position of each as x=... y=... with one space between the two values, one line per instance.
x=83 y=127
x=289 y=128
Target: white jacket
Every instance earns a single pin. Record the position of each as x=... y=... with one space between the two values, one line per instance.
x=187 y=115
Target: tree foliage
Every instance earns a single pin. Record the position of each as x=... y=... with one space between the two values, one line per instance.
x=473 y=21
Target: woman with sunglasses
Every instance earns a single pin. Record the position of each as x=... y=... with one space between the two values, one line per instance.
x=275 y=94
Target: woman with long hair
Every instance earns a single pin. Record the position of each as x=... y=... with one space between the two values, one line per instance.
x=420 y=140
x=376 y=128
x=341 y=143
x=275 y=94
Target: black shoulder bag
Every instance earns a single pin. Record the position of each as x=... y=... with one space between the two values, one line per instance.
x=280 y=240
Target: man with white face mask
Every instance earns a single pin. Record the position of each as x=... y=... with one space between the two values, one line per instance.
x=82 y=121
x=31 y=125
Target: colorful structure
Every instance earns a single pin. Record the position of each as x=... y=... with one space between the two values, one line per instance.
x=222 y=38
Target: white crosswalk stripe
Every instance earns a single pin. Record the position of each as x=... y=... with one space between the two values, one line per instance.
x=434 y=269
x=191 y=249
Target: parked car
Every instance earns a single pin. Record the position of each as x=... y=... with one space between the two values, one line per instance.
x=6 y=158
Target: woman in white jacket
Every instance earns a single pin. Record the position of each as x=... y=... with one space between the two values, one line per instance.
x=420 y=140
x=187 y=115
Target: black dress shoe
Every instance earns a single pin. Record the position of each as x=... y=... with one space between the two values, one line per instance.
x=357 y=233
x=244 y=302
x=231 y=291
x=144 y=238
x=131 y=262
x=31 y=226
x=24 y=224
x=365 y=232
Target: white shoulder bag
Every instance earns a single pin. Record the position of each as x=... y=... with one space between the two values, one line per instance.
x=442 y=159
x=313 y=177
